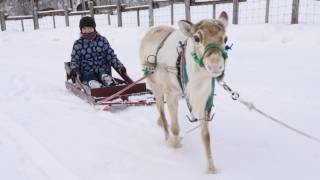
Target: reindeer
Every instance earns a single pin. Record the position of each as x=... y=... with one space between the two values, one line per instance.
x=204 y=39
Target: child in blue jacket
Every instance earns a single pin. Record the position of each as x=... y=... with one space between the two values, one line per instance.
x=92 y=57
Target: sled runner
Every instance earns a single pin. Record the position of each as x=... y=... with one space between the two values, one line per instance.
x=125 y=93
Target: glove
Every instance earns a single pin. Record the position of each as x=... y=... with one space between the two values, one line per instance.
x=122 y=70
x=73 y=75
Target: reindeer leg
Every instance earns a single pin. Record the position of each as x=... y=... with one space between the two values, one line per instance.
x=206 y=140
x=162 y=119
x=172 y=102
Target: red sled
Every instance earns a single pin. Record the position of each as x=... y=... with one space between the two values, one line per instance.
x=126 y=93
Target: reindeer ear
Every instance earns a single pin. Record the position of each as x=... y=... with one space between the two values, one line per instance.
x=223 y=17
x=186 y=27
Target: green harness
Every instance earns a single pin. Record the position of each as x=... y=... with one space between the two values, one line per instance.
x=183 y=76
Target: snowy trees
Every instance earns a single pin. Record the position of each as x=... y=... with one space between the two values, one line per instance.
x=24 y=7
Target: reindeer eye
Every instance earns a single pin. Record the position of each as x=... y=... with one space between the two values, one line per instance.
x=225 y=39
x=196 y=39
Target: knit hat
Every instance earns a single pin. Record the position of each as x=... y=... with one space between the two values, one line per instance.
x=87 y=21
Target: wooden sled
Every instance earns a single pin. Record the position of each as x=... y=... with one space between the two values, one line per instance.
x=126 y=93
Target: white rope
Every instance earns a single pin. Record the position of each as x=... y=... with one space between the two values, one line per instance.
x=194 y=128
x=208 y=118
x=250 y=106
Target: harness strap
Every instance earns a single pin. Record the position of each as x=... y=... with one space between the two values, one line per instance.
x=152 y=65
x=183 y=81
x=162 y=42
x=181 y=66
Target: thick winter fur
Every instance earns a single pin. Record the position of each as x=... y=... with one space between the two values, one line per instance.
x=164 y=82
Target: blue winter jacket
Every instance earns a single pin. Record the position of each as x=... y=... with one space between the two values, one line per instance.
x=93 y=58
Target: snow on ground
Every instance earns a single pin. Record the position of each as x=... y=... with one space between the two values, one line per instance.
x=48 y=133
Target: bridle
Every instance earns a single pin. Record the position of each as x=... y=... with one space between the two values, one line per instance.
x=210 y=46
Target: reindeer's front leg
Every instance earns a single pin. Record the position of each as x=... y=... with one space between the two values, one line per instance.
x=206 y=140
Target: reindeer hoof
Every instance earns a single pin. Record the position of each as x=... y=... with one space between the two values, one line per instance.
x=212 y=170
x=174 y=142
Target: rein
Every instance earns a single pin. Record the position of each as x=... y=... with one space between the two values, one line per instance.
x=236 y=97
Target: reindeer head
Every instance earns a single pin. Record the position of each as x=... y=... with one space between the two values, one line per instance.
x=209 y=39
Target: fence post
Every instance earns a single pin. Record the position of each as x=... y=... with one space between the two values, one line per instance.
x=172 y=10
x=187 y=9
x=267 y=11
x=3 y=21
x=22 y=25
x=83 y=5
x=235 y=12
x=295 y=12
x=91 y=9
x=119 y=13
x=214 y=10
x=66 y=15
x=138 y=17
x=109 y=19
x=70 y=4
x=54 y=21
x=35 y=18
x=151 y=17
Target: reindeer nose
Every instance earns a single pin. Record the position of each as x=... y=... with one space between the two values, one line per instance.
x=215 y=68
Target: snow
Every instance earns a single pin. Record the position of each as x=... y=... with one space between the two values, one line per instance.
x=48 y=133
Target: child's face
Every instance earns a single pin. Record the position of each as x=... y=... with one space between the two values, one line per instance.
x=87 y=29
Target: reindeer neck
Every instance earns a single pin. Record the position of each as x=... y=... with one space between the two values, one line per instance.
x=199 y=86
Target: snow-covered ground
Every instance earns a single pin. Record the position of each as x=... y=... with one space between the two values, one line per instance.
x=48 y=133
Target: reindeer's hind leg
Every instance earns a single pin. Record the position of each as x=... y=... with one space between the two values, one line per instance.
x=172 y=103
x=206 y=140
x=163 y=121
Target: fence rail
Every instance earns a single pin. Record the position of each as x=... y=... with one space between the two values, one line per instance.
x=119 y=8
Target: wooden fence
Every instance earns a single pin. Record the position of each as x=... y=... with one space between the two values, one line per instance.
x=119 y=8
